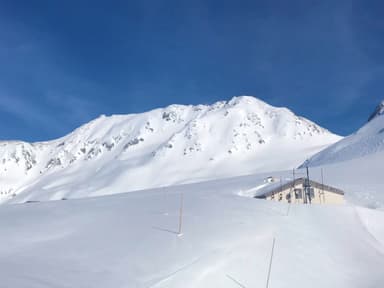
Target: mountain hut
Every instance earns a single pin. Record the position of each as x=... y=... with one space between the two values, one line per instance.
x=302 y=191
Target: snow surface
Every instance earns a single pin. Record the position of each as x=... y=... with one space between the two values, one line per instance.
x=130 y=240
x=367 y=140
x=173 y=145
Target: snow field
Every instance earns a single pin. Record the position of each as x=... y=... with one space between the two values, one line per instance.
x=130 y=240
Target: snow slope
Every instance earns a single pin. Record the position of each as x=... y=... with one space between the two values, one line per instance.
x=229 y=239
x=130 y=240
x=367 y=140
x=176 y=144
x=361 y=179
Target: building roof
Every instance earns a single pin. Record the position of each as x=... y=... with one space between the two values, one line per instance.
x=278 y=186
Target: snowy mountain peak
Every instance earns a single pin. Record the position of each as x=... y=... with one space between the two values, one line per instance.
x=175 y=144
x=246 y=100
x=378 y=111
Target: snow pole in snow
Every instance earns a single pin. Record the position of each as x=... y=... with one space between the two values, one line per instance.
x=307 y=188
x=270 y=262
x=165 y=195
x=292 y=190
x=181 y=215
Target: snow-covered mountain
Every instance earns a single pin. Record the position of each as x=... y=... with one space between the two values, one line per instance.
x=141 y=239
x=367 y=140
x=172 y=145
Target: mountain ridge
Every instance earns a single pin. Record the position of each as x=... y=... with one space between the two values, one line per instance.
x=379 y=110
x=175 y=144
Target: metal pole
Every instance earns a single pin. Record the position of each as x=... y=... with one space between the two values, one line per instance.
x=322 y=185
x=294 y=184
x=307 y=188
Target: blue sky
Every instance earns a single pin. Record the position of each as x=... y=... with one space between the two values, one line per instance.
x=63 y=63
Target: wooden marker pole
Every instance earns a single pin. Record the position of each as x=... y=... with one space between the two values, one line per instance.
x=270 y=262
x=165 y=194
x=181 y=214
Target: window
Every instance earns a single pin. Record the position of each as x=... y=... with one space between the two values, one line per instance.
x=298 y=193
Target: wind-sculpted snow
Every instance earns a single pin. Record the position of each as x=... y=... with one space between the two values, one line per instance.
x=176 y=144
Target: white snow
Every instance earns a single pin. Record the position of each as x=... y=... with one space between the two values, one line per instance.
x=177 y=144
x=367 y=140
x=130 y=240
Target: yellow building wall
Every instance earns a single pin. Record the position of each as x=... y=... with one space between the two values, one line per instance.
x=320 y=197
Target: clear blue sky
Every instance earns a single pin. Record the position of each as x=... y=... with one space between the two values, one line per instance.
x=63 y=63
